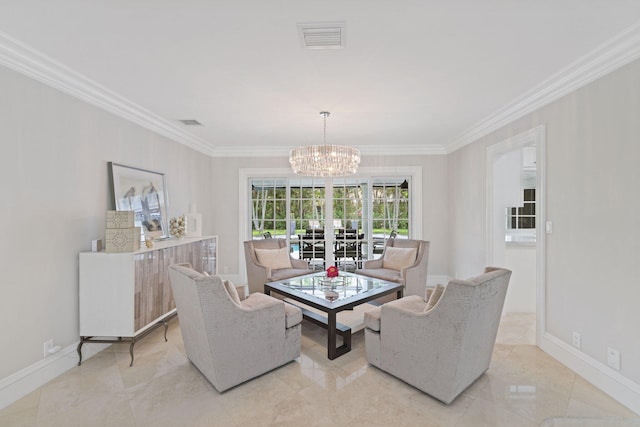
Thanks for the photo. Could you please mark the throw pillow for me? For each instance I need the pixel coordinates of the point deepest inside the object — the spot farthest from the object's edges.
(427, 294)
(274, 258)
(435, 297)
(232, 291)
(398, 258)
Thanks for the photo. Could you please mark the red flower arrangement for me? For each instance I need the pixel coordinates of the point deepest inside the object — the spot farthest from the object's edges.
(332, 272)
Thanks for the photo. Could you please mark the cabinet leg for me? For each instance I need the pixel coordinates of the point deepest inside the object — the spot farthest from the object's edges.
(133, 342)
(166, 327)
(79, 350)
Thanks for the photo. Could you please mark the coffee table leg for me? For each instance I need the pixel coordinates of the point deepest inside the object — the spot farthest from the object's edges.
(333, 351)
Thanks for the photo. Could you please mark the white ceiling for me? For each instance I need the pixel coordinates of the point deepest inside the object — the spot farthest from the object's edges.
(419, 76)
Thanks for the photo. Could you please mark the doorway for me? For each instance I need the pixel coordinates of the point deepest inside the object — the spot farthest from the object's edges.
(515, 222)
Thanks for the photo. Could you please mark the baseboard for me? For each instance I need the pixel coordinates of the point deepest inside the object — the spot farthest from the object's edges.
(597, 373)
(23, 382)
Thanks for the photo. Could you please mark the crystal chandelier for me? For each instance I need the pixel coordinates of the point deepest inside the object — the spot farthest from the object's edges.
(324, 160)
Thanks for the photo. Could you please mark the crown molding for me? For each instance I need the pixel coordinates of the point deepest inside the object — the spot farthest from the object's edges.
(609, 56)
(26, 60)
(402, 150)
(366, 150)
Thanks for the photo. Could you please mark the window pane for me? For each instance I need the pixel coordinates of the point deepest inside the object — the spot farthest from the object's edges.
(530, 195)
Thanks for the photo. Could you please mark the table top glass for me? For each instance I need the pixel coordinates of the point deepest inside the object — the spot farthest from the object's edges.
(344, 288)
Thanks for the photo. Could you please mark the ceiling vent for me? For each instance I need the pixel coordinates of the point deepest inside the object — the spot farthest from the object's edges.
(322, 35)
(190, 122)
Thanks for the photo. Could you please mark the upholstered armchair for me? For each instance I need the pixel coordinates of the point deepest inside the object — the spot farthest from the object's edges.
(403, 261)
(442, 345)
(228, 339)
(269, 260)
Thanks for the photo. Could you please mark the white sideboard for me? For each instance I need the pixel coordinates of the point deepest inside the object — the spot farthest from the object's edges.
(128, 295)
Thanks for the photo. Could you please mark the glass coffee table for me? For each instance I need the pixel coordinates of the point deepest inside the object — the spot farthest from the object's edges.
(332, 296)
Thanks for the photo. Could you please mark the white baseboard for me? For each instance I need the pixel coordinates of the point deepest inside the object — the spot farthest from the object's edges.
(23, 382)
(597, 373)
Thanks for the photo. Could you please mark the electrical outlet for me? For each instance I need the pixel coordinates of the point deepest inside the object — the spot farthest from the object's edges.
(225, 269)
(613, 358)
(48, 346)
(577, 340)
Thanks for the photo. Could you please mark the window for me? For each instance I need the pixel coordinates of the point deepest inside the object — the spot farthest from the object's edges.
(350, 227)
(363, 213)
(348, 199)
(307, 204)
(390, 200)
(308, 210)
(269, 207)
(521, 221)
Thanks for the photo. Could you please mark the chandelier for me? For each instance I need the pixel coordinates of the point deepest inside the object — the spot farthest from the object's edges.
(324, 160)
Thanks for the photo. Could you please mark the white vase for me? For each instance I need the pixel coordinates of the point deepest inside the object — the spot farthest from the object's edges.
(194, 222)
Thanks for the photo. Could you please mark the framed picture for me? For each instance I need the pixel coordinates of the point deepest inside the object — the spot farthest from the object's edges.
(143, 192)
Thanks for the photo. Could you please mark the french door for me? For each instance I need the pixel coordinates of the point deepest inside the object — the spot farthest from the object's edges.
(331, 221)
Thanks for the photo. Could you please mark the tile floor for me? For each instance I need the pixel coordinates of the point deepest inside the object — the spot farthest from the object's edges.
(523, 387)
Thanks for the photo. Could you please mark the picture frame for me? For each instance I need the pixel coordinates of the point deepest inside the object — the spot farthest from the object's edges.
(143, 192)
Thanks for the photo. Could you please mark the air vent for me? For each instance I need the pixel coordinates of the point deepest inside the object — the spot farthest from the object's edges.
(322, 35)
(190, 122)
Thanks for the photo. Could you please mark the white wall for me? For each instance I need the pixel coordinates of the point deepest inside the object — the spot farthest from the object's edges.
(433, 209)
(54, 188)
(467, 211)
(507, 192)
(521, 294)
(593, 183)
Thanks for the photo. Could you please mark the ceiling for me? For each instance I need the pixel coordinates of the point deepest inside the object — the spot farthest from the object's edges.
(414, 77)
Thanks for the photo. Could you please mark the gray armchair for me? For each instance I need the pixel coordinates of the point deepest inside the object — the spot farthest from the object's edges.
(228, 339)
(440, 346)
(411, 273)
(258, 273)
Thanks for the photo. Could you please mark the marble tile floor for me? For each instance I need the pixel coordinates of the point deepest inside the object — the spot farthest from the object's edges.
(523, 387)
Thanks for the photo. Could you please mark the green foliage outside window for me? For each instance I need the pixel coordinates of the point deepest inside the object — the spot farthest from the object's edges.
(390, 207)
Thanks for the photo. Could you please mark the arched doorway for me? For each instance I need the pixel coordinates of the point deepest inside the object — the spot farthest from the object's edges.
(516, 219)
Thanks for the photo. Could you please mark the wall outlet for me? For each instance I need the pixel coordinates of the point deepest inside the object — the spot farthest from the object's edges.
(225, 269)
(613, 358)
(577, 340)
(48, 346)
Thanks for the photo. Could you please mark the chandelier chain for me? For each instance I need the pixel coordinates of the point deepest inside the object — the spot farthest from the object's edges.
(325, 114)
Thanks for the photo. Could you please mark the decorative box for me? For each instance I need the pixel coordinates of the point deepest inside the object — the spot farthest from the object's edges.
(120, 219)
(122, 239)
